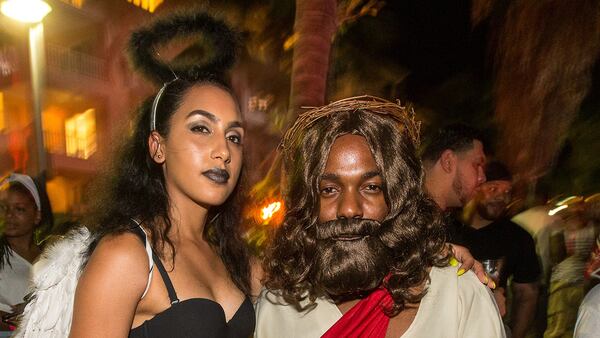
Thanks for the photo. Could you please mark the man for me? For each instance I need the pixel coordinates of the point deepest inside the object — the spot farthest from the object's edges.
(570, 248)
(506, 249)
(453, 161)
(361, 251)
(588, 317)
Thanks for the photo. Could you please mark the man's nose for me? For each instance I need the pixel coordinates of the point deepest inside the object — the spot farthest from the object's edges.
(480, 176)
(349, 206)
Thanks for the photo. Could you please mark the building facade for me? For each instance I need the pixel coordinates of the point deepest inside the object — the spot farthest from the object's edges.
(88, 99)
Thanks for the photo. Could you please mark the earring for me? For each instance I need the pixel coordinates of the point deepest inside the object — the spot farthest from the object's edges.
(159, 156)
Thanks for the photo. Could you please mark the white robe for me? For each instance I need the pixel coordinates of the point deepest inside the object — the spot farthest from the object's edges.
(588, 318)
(454, 307)
(14, 280)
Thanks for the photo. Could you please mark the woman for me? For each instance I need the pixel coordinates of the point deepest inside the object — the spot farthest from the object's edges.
(21, 211)
(172, 181)
(167, 258)
(176, 189)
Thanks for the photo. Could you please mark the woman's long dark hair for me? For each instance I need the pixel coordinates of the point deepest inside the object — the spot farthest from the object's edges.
(415, 234)
(135, 189)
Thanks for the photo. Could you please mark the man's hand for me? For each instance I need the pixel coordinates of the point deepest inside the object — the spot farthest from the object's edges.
(467, 261)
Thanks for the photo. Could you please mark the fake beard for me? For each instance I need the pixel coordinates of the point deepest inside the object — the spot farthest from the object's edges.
(350, 258)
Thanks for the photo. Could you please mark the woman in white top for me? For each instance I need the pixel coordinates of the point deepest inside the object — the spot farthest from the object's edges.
(21, 213)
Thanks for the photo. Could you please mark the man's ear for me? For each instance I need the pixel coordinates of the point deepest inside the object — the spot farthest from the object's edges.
(155, 147)
(448, 161)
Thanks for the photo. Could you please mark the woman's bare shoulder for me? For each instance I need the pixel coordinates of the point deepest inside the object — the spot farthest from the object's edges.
(119, 255)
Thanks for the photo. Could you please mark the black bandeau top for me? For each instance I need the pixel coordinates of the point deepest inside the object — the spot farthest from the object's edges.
(195, 317)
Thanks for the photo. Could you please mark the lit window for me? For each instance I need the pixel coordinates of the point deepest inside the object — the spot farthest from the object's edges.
(149, 5)
(75, 3)
(80, 131)
(54, 125)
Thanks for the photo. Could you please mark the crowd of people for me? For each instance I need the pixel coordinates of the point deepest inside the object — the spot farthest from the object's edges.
(368, 245)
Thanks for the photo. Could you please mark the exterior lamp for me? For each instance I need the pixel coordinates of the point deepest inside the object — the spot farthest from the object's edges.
(28, 11)
(32, 12)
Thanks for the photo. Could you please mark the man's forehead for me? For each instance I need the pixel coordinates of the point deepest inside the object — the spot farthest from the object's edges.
(478, 148)
(350, 151)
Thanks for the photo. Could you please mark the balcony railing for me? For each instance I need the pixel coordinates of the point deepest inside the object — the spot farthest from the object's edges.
(54, 142)
(68, 60)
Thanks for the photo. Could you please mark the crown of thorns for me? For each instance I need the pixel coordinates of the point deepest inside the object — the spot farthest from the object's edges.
(405, 116)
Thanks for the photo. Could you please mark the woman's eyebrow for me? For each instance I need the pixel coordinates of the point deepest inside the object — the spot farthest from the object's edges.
(213, 118)
(204, 113)
(235, 124)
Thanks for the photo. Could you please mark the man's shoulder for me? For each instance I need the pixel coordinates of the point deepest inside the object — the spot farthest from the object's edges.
(592, 299)
(463, 298)
(447, 277)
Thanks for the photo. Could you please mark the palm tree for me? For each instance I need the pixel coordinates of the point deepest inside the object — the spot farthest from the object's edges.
(543, 52)
(314, 29)
(316, 24)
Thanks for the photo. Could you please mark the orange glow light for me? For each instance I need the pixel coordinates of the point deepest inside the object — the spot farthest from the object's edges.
(267, 212)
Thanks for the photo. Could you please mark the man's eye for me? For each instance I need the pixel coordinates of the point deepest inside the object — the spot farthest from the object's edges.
(327, 191)
(200, 129)
(373, 187)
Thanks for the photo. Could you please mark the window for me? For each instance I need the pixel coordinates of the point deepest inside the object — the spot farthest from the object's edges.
(75, 3)
(80, 131)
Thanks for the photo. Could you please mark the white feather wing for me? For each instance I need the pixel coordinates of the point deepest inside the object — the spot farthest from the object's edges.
(55, 276)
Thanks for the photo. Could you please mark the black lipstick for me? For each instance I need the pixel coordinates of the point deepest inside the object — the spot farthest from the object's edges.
(217, 175)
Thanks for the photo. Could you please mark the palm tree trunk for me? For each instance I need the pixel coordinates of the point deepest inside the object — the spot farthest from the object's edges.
(314, 28)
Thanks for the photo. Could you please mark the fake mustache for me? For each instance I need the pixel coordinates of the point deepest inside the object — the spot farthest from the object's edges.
(347, 229)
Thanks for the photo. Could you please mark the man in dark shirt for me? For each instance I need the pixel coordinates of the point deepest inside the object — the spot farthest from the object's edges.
(506, 249)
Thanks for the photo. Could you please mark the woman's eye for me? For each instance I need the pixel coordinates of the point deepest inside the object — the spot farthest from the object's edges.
(235, 139)
(200, 129)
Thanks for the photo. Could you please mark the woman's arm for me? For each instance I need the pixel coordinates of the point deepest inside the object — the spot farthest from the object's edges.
(110, 288)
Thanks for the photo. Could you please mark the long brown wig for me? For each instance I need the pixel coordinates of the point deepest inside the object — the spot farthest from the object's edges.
(412, 231)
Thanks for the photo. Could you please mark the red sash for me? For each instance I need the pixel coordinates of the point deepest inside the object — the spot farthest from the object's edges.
(366, 319)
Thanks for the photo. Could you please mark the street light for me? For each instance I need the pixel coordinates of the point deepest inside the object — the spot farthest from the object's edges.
(28, 11)
(32, 12)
